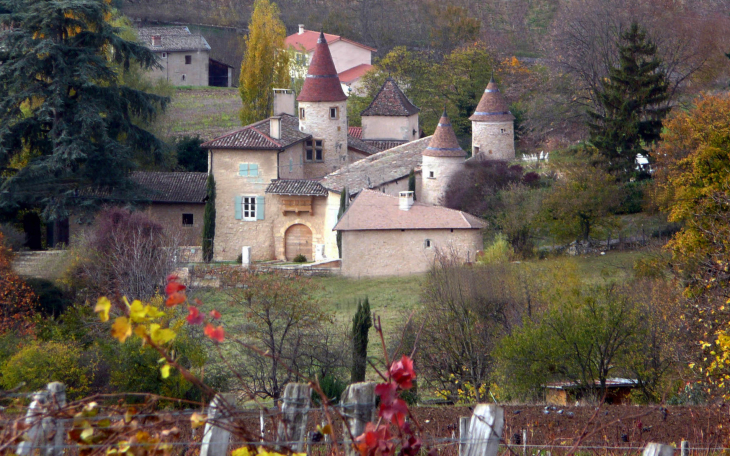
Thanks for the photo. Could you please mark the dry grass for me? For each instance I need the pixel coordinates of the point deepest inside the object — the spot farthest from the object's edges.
(208, 112)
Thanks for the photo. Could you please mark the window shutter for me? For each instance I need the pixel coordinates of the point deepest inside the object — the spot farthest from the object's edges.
(253, 169)
(243, 169)
(237, 201)
(259, 208)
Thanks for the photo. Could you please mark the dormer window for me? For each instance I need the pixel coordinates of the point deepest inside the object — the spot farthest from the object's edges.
(334, 113)
(156, 40)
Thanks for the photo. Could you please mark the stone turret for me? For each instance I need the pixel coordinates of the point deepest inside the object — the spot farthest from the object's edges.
(390, 116)
(443, 159)
(492, 127)
(323, 114)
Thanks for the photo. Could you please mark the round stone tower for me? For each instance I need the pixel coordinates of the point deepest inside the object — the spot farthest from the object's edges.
(492, 127)
(323, 114)
(443, 159)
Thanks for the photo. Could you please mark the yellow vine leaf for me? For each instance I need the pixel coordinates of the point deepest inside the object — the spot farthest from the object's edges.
(103, 305)
(121, 329)
(165, 371)
(161, 336)
(198, 419)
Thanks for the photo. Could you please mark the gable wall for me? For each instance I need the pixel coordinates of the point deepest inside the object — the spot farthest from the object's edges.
(390, 127)
(173, 67)
(346, 55)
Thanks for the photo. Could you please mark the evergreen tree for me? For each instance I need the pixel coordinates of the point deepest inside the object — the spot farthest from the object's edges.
(344, 200)
(209, 221)
(412, 183)
(190, 156)
(631, 103)
(266, 63)
(361, 323)
(68, 131)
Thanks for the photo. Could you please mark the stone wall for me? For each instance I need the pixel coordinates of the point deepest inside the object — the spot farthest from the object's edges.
(291, 162)
(315, 221)
(495, 140)
(169, 215)
(390, 127)
(333, 132)
(396, 252)
(174, 67)
(436, 173)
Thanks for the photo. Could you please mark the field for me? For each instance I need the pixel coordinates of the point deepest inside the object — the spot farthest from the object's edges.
(204, 111)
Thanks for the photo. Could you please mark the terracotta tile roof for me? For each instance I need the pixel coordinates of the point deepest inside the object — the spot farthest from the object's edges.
(390, 101)
(308, 40)
(164, 187)
(355, 132)
(173, 39)
(362, 146)
(382, 144)
(377, 211)
(257, 136)
(299, 187)
(492, 107)
(378, 169)
(443, 142)
(354, 73)
(322, 82)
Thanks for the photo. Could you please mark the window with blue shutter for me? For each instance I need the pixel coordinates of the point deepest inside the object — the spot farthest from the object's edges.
(259, 208)
(253, 169)
(238, 201)
(243, 169)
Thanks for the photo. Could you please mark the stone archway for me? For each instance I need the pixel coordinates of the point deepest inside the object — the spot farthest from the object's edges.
(298, 241)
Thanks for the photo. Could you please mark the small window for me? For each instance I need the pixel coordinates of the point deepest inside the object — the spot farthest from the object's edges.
(476, 150)
(183, 77)
(334, 113)
(427, 243)
(313, 149)
(249, 207)
(301, 113)
(431, 175)
(164, 55)
(187, 219)
(189, 60)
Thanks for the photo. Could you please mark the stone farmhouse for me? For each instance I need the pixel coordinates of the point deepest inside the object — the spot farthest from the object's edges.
(184, 58)
(352, 60)
(279, 180)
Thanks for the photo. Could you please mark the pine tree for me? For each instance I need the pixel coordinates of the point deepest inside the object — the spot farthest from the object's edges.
(344, 200)
(361, 323)
(631, 101)
(68, 131)
(266, 62)
(412, 183)
(209, 221)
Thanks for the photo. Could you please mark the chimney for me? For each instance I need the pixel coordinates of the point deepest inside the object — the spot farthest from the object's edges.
(405, 201)
(275, 127)
(284, 102)
(156, 40)
(301, 28)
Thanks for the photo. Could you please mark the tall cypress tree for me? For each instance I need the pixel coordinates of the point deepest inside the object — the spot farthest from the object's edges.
(361, 323)
(67, 124)
(344, 200)
(631, 103)
(209, 220)
(412, 183)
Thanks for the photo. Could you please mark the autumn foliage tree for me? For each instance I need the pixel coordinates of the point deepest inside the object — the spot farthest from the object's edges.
(266, 63)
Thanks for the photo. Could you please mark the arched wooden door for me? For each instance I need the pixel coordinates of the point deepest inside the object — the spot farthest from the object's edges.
(298, 240)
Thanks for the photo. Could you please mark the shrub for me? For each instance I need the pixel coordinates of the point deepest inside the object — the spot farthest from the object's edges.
(52, 300)
(332, 387)
(40, 363)
(300, 259)
(500, 251)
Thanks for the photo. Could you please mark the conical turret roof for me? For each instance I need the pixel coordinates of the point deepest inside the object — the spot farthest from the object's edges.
(322, 83)
(443, 142)
(492, 107)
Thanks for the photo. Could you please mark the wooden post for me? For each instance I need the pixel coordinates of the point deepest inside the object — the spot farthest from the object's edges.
(358, 403)
(685, 448)
(463, 434)
(485, 430)
(261, 423)
(524, 441)
(293, 424)
(658, 449)
(216, 439)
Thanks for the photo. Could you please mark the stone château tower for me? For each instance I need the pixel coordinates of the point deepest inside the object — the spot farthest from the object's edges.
(492, 127)
(443, 159)
(390, 116)
(323, 114)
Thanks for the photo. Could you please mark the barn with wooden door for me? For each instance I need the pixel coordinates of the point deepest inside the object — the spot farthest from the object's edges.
(299, 225)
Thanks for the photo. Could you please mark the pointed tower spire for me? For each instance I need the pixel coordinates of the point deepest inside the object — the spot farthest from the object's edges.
(443, 142)
(322, 82)
(492, 107)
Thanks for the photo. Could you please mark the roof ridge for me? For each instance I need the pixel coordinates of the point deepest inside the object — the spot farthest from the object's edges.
(266, 136)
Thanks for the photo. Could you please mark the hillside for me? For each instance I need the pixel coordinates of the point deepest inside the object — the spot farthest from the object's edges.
(206, 111)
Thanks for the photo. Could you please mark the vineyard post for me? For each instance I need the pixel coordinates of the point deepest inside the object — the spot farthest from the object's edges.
(463, 434)
(358, 402)
(294, 410)
(485, 430)
(685, 448)
(216, 439)
(658, 449)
